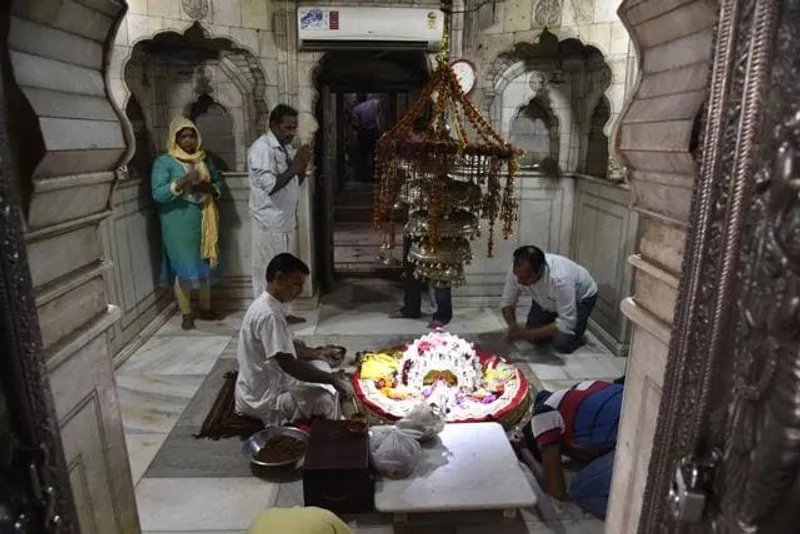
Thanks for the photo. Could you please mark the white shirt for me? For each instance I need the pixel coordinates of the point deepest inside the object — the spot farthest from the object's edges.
(261, 380)
(563, 284)
(266, 160)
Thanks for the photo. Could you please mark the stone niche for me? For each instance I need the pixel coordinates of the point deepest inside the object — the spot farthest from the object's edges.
(534, 129)
(219, 86)
(222, 88)
(549, 100)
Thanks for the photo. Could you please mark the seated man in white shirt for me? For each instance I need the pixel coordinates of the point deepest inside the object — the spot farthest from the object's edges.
(563, 293)
(281, 380)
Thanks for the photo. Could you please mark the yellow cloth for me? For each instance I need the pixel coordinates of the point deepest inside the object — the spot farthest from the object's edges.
(184, 299)
(298, 520)
(210, 239)
(376, 366)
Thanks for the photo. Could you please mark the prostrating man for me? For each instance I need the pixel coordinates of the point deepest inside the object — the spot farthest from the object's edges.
(281, 380)
(582, 423)
(563, 293)
(275, 173)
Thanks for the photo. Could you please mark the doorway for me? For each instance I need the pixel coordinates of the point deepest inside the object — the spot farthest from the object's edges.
(361, 96)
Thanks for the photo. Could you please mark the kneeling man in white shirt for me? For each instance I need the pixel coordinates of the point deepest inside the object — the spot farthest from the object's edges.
(281, 380)
(563, 295)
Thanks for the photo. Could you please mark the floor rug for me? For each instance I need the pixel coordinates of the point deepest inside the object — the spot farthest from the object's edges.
(222, 420)
(185, 456)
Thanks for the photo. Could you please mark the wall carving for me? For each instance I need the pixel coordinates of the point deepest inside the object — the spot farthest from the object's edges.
(548, 13)
(196, 9)
(617, 172)
(735, 357)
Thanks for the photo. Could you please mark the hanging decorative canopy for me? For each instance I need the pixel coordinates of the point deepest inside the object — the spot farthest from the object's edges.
(451, 168)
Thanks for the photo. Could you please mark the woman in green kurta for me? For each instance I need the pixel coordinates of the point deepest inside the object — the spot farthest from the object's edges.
(186, 185)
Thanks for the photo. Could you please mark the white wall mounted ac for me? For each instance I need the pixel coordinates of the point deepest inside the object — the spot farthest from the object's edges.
(354, 28)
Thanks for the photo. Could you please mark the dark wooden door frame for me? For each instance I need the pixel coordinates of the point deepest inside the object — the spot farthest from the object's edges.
(325, 264)
(34, 474)
(732, 382)
(325, 194)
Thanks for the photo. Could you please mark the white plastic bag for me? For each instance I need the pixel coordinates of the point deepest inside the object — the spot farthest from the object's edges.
(423, 420)
(394, 453)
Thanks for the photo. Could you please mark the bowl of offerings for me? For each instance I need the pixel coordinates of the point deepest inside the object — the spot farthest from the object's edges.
(276, 446)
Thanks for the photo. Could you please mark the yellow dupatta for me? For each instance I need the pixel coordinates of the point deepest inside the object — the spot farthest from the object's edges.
(210, 225)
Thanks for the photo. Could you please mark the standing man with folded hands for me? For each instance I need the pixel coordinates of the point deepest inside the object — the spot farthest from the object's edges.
(275, 172)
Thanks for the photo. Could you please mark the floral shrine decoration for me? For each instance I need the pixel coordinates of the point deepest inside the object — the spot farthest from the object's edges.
(451, 169)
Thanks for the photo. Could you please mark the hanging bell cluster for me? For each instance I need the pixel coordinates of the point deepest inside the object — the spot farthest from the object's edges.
(443, 260)
(445, 162)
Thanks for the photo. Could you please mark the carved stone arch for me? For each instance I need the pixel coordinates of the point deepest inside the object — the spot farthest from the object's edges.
(251, 80)
(555, 50)
(261, 80)
(495, 76)
(528, 85)
(243, 61)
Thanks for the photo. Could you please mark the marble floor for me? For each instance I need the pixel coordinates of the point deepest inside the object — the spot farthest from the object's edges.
(157, 383)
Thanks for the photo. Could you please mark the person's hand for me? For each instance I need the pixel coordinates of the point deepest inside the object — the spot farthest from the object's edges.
(516, 333)
(192, 176)
(204, 187)
(517, 439)
(302, 158)
(344, 387)
(304, 153)
(330, 355)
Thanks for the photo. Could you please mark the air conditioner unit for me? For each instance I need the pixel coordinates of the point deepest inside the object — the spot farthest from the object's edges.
(353, 28)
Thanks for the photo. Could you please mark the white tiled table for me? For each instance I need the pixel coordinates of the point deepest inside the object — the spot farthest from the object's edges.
(471, 467)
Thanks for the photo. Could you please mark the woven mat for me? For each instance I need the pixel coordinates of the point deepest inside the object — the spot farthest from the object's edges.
(222, 420)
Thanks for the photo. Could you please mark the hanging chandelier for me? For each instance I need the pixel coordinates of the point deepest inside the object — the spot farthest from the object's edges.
(450, 172)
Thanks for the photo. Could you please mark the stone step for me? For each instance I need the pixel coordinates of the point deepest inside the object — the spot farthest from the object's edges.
(350, 233)
(365, 270)
(357, 253)
(352, 214)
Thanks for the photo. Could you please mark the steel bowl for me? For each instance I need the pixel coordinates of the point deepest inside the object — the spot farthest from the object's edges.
(255, 443)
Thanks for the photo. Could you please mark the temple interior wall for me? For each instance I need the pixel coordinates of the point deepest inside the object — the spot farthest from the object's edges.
(565, 110)
(92, 238)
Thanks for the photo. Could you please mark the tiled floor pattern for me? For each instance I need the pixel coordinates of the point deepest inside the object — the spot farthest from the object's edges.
(157, 383)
